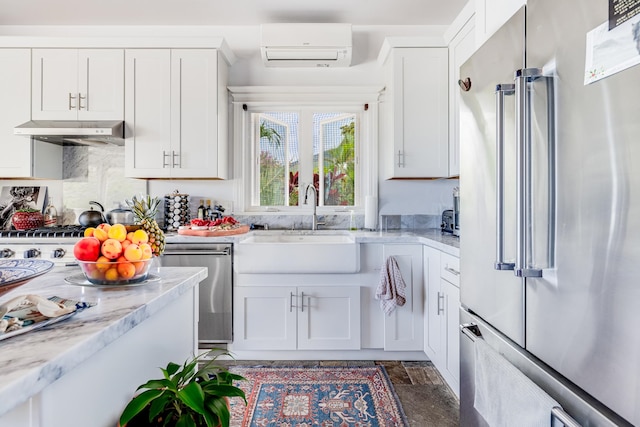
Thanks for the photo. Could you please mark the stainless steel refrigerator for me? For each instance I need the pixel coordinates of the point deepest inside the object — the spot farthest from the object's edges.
(550, 208)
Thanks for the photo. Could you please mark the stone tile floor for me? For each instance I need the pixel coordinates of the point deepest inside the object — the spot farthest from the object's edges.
(426, 399)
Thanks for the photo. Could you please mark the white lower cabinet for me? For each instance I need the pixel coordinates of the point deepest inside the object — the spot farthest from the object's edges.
(404, 328)
(297, 318)
(442, 343)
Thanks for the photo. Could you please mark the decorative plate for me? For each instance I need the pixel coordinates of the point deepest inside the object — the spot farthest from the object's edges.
(81, 280)
(16, 272)
(32, 319)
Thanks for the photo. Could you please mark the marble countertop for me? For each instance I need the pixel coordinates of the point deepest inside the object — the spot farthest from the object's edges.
(30, 362)
(445, 242)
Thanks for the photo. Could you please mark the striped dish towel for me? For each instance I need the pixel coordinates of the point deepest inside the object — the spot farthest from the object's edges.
(391, 289)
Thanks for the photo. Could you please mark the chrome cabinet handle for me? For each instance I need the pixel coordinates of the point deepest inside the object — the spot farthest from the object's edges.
(165, 156)
(80, 98)
(175, 155)
(440, 308)
(400, 159)
(452, 271)
(291, 306)
(524, 203)
(71, 98)
(302, 299)
(502, 90)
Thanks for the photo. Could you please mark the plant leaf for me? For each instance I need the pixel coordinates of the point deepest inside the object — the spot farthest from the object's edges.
(218, 390)
(160, 384)
(218, 406)
(186, 421)
(193, 396)
(172, 368)
(137, 404)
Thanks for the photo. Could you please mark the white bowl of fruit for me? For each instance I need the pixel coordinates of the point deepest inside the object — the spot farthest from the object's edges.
(112, 255)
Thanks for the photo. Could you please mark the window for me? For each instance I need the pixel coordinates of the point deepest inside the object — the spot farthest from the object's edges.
(278, 146)
(289, 146)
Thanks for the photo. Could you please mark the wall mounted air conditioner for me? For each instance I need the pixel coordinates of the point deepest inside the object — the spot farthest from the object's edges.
(306, 45)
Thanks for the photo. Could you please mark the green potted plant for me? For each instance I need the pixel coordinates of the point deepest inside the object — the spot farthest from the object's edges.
(186, 396)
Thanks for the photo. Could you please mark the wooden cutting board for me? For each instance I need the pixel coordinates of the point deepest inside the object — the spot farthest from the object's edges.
(214, 233)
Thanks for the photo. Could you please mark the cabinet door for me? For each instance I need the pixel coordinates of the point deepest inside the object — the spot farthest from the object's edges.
(100, 84)
(55, 84)
(29, 158)
(492, 14)
(460, 49)
(148, 113)
(329, 318)
(419, 107)
(404, 328)
(452, 321)
(264, 318)
(434, 307)
(194, 114)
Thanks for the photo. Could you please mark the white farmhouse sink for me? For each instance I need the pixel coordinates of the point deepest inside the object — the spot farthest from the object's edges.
(297, 252)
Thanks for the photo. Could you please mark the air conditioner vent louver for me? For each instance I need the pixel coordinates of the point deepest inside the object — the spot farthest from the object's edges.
(306, 45)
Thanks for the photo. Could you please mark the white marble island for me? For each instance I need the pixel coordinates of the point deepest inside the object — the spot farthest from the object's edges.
(83, 370)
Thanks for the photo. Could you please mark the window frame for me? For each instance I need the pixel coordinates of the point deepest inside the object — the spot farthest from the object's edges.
(360, 100)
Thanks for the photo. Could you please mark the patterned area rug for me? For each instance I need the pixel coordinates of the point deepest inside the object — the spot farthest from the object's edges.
(319, 396)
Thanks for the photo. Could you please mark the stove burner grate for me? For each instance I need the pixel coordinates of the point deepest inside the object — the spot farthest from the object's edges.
(48, 232)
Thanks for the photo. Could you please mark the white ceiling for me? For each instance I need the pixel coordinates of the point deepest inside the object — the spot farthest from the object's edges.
(229, 12)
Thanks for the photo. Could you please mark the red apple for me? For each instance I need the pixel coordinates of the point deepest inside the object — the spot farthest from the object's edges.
(87, 249)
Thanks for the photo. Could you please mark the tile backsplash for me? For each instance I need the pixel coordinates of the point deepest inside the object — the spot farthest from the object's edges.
(95, 174)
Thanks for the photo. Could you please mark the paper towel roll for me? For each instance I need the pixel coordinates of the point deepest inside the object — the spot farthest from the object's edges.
(370, 212)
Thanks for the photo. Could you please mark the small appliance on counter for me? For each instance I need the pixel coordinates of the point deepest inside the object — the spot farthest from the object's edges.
(447, 225)
(456, 211)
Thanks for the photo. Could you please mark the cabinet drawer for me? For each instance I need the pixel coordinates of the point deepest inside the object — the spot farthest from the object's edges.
(450, 268)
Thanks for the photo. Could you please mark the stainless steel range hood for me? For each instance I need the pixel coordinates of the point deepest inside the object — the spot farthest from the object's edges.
(62, 132)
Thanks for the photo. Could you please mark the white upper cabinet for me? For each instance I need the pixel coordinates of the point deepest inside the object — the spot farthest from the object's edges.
(176, 113)
(461, 48)
(414, 141)
(24, 157)
(78, 84)
(491, 15)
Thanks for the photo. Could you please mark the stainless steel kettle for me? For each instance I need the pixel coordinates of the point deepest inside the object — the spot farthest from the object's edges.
(92, 218)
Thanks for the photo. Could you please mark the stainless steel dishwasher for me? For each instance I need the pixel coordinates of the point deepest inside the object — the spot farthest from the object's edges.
(215, 324)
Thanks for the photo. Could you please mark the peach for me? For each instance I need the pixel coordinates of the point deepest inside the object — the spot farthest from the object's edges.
(140, 236)
(118, 232)
(95, 274)
(126, 270)
(147, 252)
(139, 265)
(133, 252)
(103, 263)
(111, 248)
(100, 234)
(88, 232)
(125, 243)
(104, 226)
(111, 274)
(130, 236)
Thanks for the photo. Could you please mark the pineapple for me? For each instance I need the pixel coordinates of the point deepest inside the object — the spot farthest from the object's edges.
(144, 210)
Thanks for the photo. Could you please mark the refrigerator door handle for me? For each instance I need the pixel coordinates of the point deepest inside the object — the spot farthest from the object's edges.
(471, 330)
(524, 202)
(502, 90)
(566, 419)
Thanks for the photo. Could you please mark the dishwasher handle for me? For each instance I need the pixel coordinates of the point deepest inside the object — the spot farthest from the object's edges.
(224, 252)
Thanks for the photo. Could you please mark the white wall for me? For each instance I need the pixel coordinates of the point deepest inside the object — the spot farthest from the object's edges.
(423, 197)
